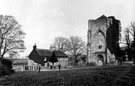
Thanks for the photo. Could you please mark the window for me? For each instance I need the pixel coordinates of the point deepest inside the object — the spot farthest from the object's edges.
(100, 46)
(44, 58)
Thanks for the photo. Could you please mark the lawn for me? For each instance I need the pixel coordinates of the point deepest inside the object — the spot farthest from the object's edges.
(112, 76)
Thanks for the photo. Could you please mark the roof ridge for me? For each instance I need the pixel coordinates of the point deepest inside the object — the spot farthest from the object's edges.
(42, 49)
(101, 17)
(48, 52)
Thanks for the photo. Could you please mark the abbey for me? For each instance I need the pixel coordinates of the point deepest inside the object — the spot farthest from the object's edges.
(103, 39)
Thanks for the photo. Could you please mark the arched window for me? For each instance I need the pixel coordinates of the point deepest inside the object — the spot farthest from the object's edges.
(99, 31)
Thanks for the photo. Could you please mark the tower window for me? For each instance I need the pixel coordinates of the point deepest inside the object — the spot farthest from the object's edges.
(100, 46)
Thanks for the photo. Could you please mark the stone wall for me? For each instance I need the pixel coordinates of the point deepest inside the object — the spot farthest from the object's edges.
(97, 43)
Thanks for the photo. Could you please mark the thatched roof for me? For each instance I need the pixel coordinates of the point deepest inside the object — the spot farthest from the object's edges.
(48, 53)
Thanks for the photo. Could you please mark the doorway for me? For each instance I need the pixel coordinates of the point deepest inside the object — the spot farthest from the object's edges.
(100, 59)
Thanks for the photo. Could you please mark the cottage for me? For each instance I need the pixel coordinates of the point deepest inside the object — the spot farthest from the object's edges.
(19, 64)
(44, 57)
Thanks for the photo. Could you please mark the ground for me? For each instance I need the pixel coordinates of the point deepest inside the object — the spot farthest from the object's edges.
(90, 76)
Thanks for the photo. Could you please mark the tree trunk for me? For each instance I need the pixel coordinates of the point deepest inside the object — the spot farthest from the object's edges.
(75, 59)
(52, 65)
(133, 57)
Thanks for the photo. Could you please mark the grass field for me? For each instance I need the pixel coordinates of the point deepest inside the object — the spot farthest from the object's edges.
(113, 76)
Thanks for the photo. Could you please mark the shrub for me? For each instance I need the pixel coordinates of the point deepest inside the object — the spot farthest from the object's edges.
(91, 64)
(6, 67)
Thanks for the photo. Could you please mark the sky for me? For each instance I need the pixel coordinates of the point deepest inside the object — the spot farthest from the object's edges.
(43, 20)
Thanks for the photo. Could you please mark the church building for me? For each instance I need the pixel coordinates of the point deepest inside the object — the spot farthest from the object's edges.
(103, 39)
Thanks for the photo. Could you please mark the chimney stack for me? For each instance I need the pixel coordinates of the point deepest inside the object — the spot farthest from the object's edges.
(35, 47)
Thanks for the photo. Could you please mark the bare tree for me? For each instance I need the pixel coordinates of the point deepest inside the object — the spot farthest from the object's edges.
(130, 40)
(59, 44)
(133, 34)
(132, 27)
(11, 36)
(127, 38)
(75, 46)
(131, 30)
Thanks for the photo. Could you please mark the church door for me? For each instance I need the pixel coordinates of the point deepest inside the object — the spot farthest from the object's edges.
(100, 60)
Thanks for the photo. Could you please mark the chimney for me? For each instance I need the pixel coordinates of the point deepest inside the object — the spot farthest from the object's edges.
(35, 47)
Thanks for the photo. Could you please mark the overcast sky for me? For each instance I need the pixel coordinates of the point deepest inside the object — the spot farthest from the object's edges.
(43, 20)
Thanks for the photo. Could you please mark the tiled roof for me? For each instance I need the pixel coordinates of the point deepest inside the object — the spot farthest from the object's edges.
(19, 61)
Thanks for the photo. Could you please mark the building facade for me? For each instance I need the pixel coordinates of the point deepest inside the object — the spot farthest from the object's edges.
(103, 37)
(44, 57)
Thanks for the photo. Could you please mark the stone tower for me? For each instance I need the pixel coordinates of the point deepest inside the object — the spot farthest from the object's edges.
(103, 34)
